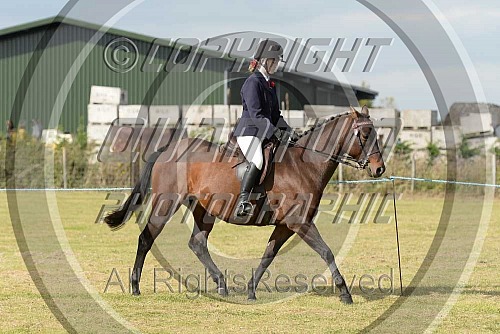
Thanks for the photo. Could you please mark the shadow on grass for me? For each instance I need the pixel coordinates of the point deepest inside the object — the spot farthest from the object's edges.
(264, 296)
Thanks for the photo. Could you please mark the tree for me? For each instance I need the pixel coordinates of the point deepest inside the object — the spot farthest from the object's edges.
(388, 102)
(81, 135)
(366, 102)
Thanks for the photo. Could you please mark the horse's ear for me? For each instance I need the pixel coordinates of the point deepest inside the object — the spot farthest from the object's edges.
(365, 111)
(354, 113)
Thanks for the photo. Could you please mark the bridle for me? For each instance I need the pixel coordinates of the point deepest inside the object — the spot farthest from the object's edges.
(345, 158)
(355, 127)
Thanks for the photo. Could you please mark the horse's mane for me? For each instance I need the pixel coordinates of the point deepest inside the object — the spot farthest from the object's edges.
(322, 123)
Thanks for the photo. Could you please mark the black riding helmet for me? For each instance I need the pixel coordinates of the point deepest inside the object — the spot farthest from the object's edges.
(269, 49)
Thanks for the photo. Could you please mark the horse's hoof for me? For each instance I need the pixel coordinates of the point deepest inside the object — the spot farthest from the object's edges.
(222, 292)
(136, 293)
(346, 299)
(252, 298)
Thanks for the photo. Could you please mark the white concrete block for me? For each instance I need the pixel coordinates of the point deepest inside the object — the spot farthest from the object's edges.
(424, 118)
(497, 131)
(439, 135)
(108, 95)
(295, 118)
(49, 136)
(383, 134)
(418, 138)
(195, 114)
(97, 132)
(484, 143)
(326, 111)
(236, 112)
(102, 113)
(134, 112)
(380, 113)
(474, 123)
(323, 111)
(222, 115)
(168, 113)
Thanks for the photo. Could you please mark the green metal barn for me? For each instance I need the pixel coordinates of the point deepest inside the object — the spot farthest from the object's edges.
(47, 68)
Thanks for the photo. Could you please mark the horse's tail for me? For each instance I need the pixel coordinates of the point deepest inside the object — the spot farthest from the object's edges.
(118, 218)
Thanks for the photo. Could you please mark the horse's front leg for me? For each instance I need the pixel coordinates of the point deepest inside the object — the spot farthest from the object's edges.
(310, 234)
(198, 244)
(279, 236)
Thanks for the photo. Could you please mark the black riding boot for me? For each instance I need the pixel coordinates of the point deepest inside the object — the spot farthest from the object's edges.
(249, 180)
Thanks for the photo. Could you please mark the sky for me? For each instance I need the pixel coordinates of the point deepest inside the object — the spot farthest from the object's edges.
(395, 73)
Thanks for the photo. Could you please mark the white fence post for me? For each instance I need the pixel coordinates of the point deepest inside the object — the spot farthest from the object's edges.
(341, 178)
(413, 172)
(494, 168)
(65, 175)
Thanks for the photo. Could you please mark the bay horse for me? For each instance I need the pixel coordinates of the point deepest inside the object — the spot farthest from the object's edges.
(180, 176)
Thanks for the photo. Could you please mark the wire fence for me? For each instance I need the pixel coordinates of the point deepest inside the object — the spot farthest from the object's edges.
(374, 181)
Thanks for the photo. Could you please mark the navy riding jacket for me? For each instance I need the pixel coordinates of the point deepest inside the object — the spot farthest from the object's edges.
(261, 113)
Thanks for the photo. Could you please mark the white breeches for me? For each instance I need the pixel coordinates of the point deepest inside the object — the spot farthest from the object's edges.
(252, 149)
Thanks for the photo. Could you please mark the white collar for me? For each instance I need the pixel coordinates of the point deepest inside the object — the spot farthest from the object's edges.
(264, 72)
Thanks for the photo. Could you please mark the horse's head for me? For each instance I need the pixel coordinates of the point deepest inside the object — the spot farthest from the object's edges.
(363, 144)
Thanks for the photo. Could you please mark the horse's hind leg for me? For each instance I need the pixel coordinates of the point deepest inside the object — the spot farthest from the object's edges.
(310, 234)
(279, 236)
(198, 244)
(147, 237)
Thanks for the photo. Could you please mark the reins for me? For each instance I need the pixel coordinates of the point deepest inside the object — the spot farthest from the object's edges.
(345, 159)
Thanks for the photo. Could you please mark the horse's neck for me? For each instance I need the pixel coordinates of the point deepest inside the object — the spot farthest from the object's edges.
(330, 140)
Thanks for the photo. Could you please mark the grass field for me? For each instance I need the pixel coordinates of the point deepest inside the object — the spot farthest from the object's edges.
(363, 248)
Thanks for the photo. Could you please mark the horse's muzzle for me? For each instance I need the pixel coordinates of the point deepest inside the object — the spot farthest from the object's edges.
(380, 171)
(375, 172)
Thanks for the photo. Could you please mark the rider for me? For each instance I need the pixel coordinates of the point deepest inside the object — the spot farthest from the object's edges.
(261, 118)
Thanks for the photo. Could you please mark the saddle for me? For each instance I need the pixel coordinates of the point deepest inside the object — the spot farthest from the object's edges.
(231, 149)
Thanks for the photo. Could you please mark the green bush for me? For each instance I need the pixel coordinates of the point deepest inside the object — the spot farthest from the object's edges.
(403, 148)
(433, 152)
(28, 163)
(466, 151)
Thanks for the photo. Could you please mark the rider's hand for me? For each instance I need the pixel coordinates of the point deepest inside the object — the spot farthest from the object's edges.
(283, 135)
(294, 136)
(278, 133)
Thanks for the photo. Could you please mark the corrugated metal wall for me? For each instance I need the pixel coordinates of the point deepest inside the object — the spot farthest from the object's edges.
(36, 77)
(56, 61)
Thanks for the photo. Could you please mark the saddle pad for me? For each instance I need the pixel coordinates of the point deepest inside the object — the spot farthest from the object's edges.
(267, 166)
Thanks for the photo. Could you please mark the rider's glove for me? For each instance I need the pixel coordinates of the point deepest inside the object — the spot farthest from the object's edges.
(279, 134)
(293, 136)
(283, 135)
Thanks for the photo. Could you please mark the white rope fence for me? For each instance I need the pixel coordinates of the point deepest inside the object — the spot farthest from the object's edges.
(382, 180)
